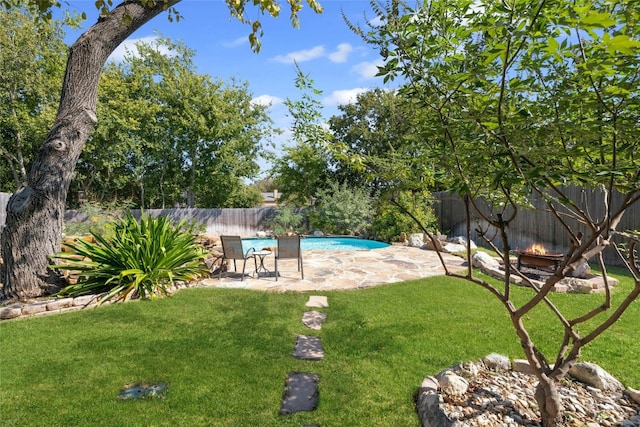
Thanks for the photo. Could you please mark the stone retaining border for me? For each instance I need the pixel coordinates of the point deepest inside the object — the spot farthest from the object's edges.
(64, 305)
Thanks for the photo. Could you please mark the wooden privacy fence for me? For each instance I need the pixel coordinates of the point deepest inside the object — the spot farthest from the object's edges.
(534, 225)
(243, 222)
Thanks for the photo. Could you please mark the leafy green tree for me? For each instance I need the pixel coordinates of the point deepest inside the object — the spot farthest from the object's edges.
(392, 214)
(32, 57)
(304, 168)
(244, 196)
(522, 98)
(385, 132)
(287, 219)
(174, 137)
(265, 185)
(341, 209)
(382, 129)
(33, 226)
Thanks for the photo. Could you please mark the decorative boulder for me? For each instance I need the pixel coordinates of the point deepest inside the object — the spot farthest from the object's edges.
(582, 271)
(429, 384)
(468, 369)
(416, 240)
(497, 362)
(452, 384)
(460, 240)
(484, 260)
(633, 394)
(318, 233)
(593, 375)
(433, 247)
(454, 248)
(522, 365)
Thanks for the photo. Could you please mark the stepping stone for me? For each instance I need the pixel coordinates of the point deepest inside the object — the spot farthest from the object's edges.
(317, 301)
(313, 319)
(300, 393)
(308, 348)
(138, 391)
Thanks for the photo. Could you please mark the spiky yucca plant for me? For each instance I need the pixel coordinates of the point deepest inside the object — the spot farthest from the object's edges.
(135, 258)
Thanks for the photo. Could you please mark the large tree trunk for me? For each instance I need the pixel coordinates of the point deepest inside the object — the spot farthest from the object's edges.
(550, 406)
(35, 212)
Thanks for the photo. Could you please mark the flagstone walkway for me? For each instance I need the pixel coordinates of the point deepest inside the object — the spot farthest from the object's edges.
(334, 270)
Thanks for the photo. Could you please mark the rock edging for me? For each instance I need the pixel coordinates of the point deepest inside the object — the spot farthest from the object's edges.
(61, 305)
(498, 391)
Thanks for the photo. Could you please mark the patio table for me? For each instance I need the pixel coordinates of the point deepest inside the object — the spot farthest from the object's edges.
(261, 255)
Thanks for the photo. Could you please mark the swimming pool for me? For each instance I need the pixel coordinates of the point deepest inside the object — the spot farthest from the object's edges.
(319, 244)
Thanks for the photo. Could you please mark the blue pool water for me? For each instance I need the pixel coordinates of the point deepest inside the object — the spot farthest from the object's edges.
(319, 244)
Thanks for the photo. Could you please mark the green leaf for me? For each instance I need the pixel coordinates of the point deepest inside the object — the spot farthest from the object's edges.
(597, 20)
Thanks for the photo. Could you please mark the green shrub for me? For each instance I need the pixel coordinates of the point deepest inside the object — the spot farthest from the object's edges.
(390, 221)
(342, 210)
(134, 258)
(287, 219)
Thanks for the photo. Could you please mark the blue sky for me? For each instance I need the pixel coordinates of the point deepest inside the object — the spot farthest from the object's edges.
(340, 64)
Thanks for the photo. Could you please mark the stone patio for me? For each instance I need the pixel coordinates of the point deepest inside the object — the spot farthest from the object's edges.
(333, 270)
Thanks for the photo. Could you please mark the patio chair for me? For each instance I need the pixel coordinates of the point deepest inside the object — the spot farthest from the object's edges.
(289, 248)
(232, 249)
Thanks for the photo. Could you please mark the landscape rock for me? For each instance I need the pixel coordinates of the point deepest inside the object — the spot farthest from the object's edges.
(579, 286)
(429, 384)
(433, 247)
(10, 312)
(484, 260)
(31, 309)
(431, 411)
(59, 303)
(462, 241)
(497, 362)
(633, 394)
(85, 300)
(208, 241)
(582, 271)
(593, 375)
(454, 248)
(522, 365)
(452, 384)
(468, 369)
(416, 240)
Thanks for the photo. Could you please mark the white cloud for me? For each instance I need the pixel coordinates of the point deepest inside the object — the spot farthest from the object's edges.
(301, 55)
(129, 46)
(367, 70)
(237, 42)
(267, 100)
(378, 21)
(342, 52)
(342, 97)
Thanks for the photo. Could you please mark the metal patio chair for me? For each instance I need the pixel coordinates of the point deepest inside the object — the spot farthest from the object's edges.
(232, 249)
(289, 248)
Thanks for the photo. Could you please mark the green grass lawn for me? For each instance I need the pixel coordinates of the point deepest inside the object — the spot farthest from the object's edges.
(225, 354)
